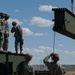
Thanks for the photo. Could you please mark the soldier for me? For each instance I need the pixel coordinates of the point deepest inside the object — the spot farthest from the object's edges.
(2, 30)
(23, 68)
(6, 33)
(53, 67)
(18, 34)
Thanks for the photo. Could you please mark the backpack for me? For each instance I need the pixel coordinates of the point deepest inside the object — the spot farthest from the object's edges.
(19, 30)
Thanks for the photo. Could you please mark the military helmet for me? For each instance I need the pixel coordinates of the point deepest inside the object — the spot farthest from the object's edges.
(14, 23)
(55, 57)
(6, 15)
(28, 57)
(1, 14)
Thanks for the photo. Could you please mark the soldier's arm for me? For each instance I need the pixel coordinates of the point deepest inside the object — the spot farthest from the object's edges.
(7, 29)
(12, 29)
(47, 57)
(46, 62)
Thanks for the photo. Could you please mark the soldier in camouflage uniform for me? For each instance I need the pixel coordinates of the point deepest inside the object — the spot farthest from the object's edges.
(23, 68)
(6, 33)
(2, 30)
(54, 67)
(18, 34)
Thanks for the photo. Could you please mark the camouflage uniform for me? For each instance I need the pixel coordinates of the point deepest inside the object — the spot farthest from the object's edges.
(24, 68)
(53, 67)
(6, 33)
(2, 30)
(18, 38)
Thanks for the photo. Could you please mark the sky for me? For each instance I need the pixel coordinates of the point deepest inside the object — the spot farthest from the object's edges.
(35, 17)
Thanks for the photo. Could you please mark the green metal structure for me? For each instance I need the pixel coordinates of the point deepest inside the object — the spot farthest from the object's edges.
(64, 22)
(12, 60)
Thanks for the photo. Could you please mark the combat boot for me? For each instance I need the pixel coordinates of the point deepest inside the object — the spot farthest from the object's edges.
(21, 52)
(16, 52)
(1, 49)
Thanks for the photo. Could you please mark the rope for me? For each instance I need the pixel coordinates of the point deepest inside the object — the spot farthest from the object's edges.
(54, 42)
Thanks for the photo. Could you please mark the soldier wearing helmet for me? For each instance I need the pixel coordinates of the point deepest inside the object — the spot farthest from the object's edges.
(14, 23)
(54, 67)
(28, 57)
(6, 33)
(23, 67)
(18, 34)
(2, 30)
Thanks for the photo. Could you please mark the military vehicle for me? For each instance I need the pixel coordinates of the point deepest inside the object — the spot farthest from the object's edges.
(10, 60)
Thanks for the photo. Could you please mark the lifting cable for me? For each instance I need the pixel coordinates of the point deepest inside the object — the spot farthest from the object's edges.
(53, 48)
(54, 42)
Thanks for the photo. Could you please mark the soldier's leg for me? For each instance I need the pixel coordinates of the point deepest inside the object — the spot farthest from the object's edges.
(16, 46)
(5, 44)
(1, 41)
(21, 46)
